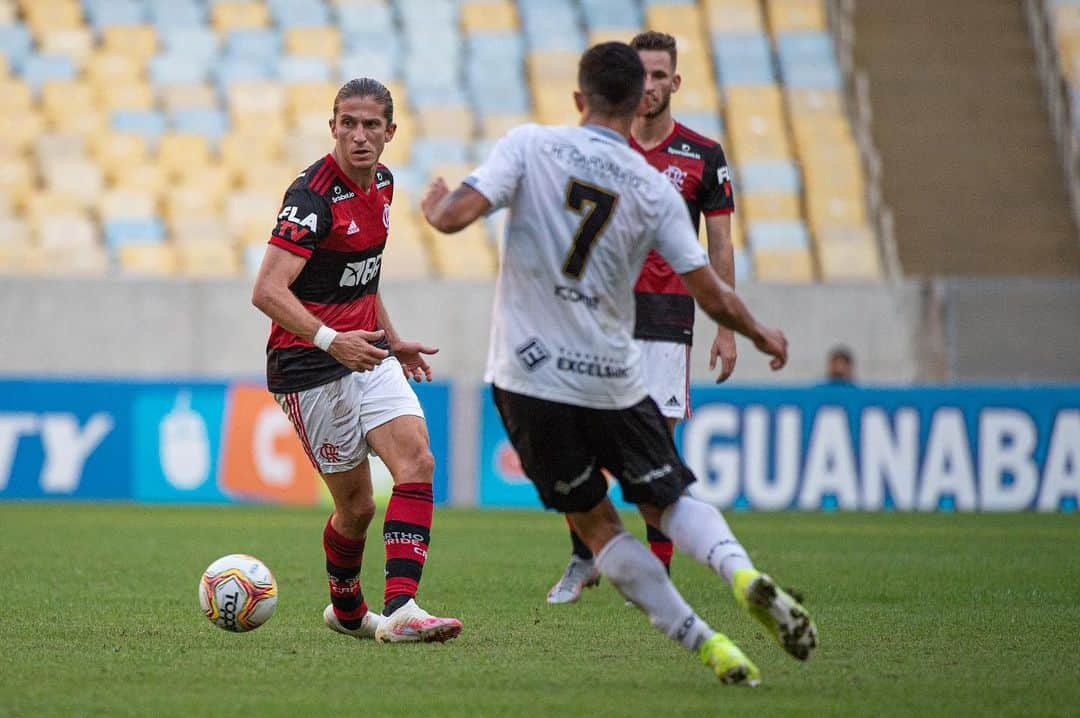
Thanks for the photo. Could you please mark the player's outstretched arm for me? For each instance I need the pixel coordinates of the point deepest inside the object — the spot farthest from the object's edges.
(451, 212)
(273, 298)
(409, 354)
(722, 259)
(725, 307)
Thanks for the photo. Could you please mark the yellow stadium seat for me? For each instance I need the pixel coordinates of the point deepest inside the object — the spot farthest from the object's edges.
(43, 17)
(398, 152)
(137, 42)
(158, 260)
(238, 151)
(598, 35)
(189, 200)
(811, 101)
(135, 95)
(199, 230)
(849, 253)
(17, 97)
(198, 95)
(272, 178)
(74, 42)
(105, 69)
(697, 97)
(80, 180)
(324, 42)
(53, 147)
(495, 126)
(118, 151)
(59, 97)
(226, 16)
(250, 215)
(22, 128)
(64, 229)
(733, 16)
(548, 65)
(311, 123)
(796, 16)
(488, 17)
(148, 177)
(181, 155)
(465, 255)
(312, 97)
(8, 13)
(783, 265)
(451, 122)
(452, 173)
(14, 245)
(256, 98)
(127, 202)
(769, 206)
(208, 259)
(81, 260)
(405, 256)
(749, 147)
(88, 122)
(301, 149)
(835, 208)
(684, 22)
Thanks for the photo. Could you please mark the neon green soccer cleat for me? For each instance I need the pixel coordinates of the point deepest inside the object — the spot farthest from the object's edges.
(776, 609)
(728, 663)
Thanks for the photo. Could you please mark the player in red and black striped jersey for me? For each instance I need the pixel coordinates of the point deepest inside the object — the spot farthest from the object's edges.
(664, 322)
(339, 370)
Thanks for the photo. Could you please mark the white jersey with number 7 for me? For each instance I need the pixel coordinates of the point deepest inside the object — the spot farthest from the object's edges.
(585, 209)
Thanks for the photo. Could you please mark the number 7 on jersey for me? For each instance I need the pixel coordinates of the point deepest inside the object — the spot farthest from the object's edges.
(600, 206)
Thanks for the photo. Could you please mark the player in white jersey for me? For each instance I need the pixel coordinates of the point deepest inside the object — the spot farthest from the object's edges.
(584, 210)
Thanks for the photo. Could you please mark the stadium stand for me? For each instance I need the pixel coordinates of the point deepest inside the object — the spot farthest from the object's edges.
(194, 115)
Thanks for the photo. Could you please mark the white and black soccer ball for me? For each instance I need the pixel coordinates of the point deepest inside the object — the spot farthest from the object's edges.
(238, 593)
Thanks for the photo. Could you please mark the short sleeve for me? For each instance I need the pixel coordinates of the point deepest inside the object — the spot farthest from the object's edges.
(498, 178)
(716, 194)
(675, 239)
(304, 220)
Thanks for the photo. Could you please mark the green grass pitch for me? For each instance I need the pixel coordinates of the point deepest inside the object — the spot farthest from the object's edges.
(919, 615)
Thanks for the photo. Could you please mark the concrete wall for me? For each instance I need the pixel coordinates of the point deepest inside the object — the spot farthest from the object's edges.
(150, 328)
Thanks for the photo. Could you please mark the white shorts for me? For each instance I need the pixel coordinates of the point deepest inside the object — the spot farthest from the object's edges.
(666, 368)
(333, 419)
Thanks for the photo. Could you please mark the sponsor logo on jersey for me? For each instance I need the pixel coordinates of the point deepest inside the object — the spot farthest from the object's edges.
(569, 294)
(532, 354)
(588, 365)
(288, 214)
(358, 274)
(649, 476)
(676, 175)
(684, 150)
(340, 194)
(380, 183)
(353, 229)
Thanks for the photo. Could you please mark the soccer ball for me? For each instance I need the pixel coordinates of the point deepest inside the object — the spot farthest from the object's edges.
(238, 593)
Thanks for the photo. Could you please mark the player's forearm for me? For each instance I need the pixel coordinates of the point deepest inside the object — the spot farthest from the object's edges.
(721, 303)
(721, 249)
(458, 210)
(282, 306)
(384, 322)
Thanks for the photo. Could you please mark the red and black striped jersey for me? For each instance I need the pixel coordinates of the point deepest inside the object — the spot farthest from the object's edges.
(697, 167)
(341, 231)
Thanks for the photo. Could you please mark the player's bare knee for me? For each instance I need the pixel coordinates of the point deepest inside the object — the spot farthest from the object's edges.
(418, 469)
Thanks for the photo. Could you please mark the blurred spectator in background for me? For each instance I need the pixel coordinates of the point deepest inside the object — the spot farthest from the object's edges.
(840, 368)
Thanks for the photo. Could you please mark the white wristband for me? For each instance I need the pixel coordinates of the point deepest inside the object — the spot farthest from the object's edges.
(324, 338)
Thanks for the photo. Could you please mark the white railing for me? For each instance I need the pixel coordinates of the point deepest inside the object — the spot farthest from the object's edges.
(841, 15)
(1055, 90)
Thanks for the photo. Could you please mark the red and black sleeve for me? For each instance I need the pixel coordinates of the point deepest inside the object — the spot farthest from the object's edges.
(716, 193)
(304, 220)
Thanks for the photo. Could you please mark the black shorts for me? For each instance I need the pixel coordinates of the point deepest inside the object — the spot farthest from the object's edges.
(564, 447)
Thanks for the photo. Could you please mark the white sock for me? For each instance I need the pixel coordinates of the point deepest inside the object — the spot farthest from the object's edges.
(641, 578)
(700, 531)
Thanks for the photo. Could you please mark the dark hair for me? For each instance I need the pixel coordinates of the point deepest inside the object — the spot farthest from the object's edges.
(612, 78)
(367, 87)
(652, 40)
(841, 352)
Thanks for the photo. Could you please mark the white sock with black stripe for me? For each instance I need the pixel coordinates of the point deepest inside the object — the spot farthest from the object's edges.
(700, 531)
(641, 578)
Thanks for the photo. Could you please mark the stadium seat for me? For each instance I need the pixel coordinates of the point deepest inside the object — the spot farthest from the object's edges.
(785, 265)
(207, 259)
(777, 235)
(145, 123)
(299, 13)
(212, 124)
(259, 99)
(116, 152)
(321, 42)
(176, 68)
(73, 42)
(733, 16)
(795, 15)
(482, 17)
(105, 69)
(226, 16)
(198, 230)
(127, 203)
(169, 14)
(195, 42)
(622, 15)
(80, 181)
(127, 231)
(183, 154)
(768, 176)
(17, 180)
(187, 96)
(38, 69)
(306, 97)
(249, 215)
(849, 253)
(465, 255)
(768, 207)
(80, 260)
(136, 42)
(157, 260)
(16, 44)
(451, 122)
(64, 230)
(126, 96)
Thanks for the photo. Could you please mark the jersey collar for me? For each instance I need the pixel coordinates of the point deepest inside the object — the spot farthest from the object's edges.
(663, 143)
(606, 132)
(345, 178)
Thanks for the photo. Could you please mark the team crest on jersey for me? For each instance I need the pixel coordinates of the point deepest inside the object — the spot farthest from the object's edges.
(676, 175)
(386, 215)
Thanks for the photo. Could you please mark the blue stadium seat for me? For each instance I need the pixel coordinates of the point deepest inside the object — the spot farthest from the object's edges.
(806, 45)
(299, 13)
(390, 47)
(367, 63)
(106, 13)
(16, 44)
(508, 99)
(200, 42)
(768, 176)
(258, 45)
(173, 69)
(120, 232)
(820, 77)
(148, 124)
(212, 124)
(612, 14)
(743, 72)
(373, 20)
(302, 69)
(167, 15)
(431, 151)
(744, 268)
(709, 124)
(230, 71)
(420, 13)
(39, 69)
(778, 234)
(495, 48)
(424, 96)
